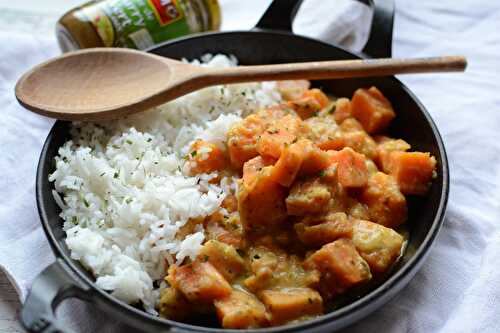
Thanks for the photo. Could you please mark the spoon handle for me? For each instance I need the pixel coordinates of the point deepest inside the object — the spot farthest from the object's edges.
(336, 69)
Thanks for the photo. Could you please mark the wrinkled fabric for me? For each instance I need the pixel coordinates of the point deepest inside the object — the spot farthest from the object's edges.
(458, 287)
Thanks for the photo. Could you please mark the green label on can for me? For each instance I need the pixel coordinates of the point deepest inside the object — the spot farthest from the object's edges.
(141, 24)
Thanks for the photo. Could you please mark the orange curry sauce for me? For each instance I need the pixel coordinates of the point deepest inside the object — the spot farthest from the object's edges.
(320, 193)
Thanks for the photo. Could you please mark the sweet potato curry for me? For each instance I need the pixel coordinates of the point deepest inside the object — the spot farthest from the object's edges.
(321, 193)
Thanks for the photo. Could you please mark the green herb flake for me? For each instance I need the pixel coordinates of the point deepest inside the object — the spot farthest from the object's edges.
(193, 153)
(128, 200)
(129, 142)
(321, 173)
(149, 140)
(332, 109)
(115, 146)
(205, 258)
(102, 174)
(116, 175)
(86, 203)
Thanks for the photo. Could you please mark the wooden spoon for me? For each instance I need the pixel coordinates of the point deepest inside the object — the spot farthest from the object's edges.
(109, 83)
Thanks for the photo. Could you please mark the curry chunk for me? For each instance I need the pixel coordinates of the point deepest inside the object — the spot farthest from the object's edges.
(224, 258)
(310, 103)
(315, 160)
(280, 133)
(273, 268)
(198, 281)
(292, 89)
(378, 245)
(174, 305)
(288, 165)
(413, 171)
(291, 303)
(242, 140)
(206, 157)
(343, 110)
(385, 202)
(241, 310)
(307, 197)
(325, 133)
(385, 145)
(261, 201)
(360, 142)
(352, 171)
(340, 265)
(372, 109)
(323, 229)
(228, 230)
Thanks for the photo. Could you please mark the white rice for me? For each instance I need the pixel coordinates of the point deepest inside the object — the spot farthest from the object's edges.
(124, 191)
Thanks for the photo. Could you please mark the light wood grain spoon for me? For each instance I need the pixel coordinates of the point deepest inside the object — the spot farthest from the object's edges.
(109, 83)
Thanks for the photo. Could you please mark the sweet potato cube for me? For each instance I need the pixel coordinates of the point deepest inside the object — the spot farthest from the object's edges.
(292, 89)
(291, 303)
(223, 257)
(385, 202)
(352, 171)
(310, 103)
(227, 231)
(343, 110)
(386, 145)
(318, 95)
(315, 160)
(278, 134)
(241, 310)
(242, 139)
(305, 107)
(198, 281)
(340, 265)
(261, 201)
(307, 197)
(252, 168)
(378, 245)
(324, 132)
(372, 109)
(288, 165)
(413, 171)
(326, 229)
(360, 142)
(206, 157)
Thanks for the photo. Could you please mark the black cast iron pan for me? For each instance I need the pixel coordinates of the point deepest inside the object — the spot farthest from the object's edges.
(270, 42)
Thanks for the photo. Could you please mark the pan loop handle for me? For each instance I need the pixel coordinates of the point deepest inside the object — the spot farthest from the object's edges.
(51, 287)
(281, 13)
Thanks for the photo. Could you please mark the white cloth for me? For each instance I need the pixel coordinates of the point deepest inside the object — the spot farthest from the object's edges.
(458, 287)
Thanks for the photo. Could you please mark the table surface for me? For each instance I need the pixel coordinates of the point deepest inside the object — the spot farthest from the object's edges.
(9, 307)
(25, 16)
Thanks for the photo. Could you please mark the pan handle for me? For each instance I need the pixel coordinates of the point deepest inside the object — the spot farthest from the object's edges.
(51, 287)
(281, 13)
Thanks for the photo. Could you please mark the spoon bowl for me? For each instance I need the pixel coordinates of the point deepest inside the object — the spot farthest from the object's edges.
(110, 83)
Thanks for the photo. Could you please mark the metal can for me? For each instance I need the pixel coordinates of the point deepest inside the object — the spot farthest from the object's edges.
(137, 24)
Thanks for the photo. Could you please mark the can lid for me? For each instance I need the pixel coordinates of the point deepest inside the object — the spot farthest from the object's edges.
(215, 14)
(65, 39)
